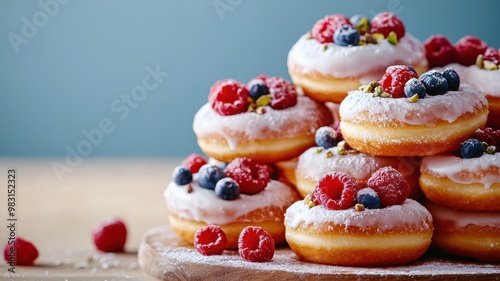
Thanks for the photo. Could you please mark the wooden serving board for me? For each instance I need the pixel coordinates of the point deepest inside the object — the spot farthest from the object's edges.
(165, 256)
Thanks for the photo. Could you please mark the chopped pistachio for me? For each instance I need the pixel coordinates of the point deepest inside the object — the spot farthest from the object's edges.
(362, 43)
(480, 61)
(377, 36)
(371, 39)
(309, 35)
(263, 100)
(308, 201)
(392, 38)
(260, 110)
(251, 107)
(363, 25)
(379, 91)
(318, 150)
(359, 207)
(489, 65)
(329, 154)
(250, 100)
(189, 188)
(385, 95)
(491, 149)
(325, 47)
(414, 98)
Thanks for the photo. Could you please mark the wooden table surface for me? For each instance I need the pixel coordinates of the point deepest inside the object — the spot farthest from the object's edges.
(58, 214)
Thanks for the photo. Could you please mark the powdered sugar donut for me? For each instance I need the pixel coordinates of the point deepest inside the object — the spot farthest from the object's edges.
(466, 233)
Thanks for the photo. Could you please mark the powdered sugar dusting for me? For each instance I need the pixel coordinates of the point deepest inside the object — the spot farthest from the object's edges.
(425, 112)
(410, 214)
(484, 169)
(364, 62)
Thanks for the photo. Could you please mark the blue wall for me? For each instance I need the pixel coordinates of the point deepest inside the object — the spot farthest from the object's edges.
(73, 64)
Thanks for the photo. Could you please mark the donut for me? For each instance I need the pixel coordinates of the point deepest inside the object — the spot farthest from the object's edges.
(286, 170)
(466, 184)
(192, 205)
(315, 162)
(327, 71)
(398, 127)
(466, 233)
(266, 134)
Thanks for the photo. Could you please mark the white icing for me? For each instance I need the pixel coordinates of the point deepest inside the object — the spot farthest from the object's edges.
(313, 165)
(202, 205)
(463, 218)
(486, 81)
(426, 111)
(484, 169)
(409, 214)
(366, 62)
(252, 126)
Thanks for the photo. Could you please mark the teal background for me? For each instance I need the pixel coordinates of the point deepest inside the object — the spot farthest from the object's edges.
(66, 78)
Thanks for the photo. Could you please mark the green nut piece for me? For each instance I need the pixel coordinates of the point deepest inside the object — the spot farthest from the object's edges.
(309, 35)
(318, 150)
(378, 36)
(491, 149)
(263, 100)
(392, 38)
(489, 65)
(370, 39)
(251, 107)
(325, 47)
(413, 98)
(329, 154)
(363, 25)
(480, 61)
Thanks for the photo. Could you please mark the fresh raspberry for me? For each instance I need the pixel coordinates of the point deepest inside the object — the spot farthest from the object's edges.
(20, 252)
(194, 162)
(439, 51)
(395, 78)
(210, 240)
(386, 22)
(324, 28)
(468, 48)
(390, 186)
(274, 173)
(283, 93)
(229, 97)
(492, 55)
(110, 235)
(489, 136)
(215, 87)
(255, 244)
(251, 176)
(335, 191)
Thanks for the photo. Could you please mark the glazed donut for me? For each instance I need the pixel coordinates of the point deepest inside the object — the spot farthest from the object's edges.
(192, 207)
(327, 71)
(465, 233)
(465, 184)
(314, 164)
(397, 127)
(269, 136)
(393, 235)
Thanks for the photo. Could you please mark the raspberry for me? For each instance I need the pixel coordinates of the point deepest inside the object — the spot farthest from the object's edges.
(22, 252)
(335, 191)
(390, 185)
(274, 173)
(255, 244)
(229, 97)
(488, 135)
(215, 87)
(395, 78)
(283, 93)
(468, 48)
(248, 174)
(439, 51)
(324, 28)
(492, 55)
(194, 162)
(386, 22)
(110, 235)
(210, 240)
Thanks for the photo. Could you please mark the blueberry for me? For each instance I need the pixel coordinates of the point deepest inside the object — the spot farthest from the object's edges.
(182, 175)
(326, 137)
(471, 148)
(412, 69)
(227, 189)
(209, 175)
(434, 82)
(453, 79)
(369, 198)
(346, 35)
(415, 86)
(257, 88)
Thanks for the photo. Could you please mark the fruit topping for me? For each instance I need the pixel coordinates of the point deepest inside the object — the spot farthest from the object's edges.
(194, 162)
(257, 88)
(335, 191)
(368, 198)
(229, 97)
(326, 137)
(182, 175)
(489, 136)
(439, 51)
(387, 22)
(415, 87)
(209, 175)
(346, 35)
(210, 240)
(283, 93)
(434, 82)
(324, 28)
(22, 252)
(491, 54)
(471, 148)
(390, 186)
(395, 78)
(227, 189)
(468, 48)
(251, 176)
(110, 235)
(255, 244)
(452, 78)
